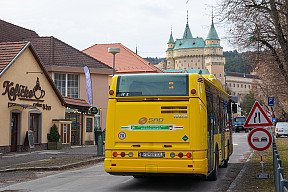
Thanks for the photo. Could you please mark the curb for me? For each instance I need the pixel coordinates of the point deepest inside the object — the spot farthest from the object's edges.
(233, 184)
(54, 168)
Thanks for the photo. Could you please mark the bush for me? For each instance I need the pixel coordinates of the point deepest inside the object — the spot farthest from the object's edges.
(54, 135)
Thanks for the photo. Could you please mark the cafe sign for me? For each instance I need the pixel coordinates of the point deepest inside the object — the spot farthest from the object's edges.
(22, 92)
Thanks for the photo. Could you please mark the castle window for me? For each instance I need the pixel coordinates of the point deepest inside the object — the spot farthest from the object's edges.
(233, 84)
(179, 61)
(249, 86)
(238, 85)
(241, 86)
(220, 75)
(229, 84)
(199, 60)
(192, 61)
(184, 61)
(245, 86)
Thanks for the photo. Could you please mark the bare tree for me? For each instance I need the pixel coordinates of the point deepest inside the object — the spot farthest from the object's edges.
(262, 26)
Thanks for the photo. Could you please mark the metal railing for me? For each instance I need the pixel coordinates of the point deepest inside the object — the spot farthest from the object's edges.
(281, 184)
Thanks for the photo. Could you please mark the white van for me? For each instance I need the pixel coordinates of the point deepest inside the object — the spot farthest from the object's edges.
(281, 129)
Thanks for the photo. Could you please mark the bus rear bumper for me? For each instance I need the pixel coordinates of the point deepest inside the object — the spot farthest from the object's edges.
(155, 166)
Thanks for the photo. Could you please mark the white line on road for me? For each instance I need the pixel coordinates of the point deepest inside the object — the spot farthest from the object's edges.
(127, 180)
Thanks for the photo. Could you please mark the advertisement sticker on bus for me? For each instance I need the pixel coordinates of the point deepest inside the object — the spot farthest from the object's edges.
(152, 127)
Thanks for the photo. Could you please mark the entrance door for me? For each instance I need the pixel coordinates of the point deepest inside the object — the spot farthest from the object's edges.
(34, 126)
(14, 131)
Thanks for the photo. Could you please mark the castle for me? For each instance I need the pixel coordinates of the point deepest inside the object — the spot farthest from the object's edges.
(196, 53)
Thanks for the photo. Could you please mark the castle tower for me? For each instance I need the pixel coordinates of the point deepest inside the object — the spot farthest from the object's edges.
(213, 53)
(169, 52)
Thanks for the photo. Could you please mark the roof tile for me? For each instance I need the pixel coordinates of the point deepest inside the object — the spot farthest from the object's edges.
(13, 33)
(8, 52)
(54, 52)
(125, 62)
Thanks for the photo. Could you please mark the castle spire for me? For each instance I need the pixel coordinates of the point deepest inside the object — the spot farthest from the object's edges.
(212, 34)
(187, 33)
(171, 40)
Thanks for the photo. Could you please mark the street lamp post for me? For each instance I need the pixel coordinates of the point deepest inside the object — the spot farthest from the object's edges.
(114, 51)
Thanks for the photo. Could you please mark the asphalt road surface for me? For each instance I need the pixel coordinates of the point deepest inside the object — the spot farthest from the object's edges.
(94, 178)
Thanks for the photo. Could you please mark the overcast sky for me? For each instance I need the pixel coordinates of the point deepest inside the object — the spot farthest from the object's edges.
(83, 23)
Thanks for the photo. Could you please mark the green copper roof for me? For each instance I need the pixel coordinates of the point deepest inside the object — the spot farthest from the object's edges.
(213, 46)
(204, 71)
(187, 33)
(171, 40)
(189, 43)
(212, 32)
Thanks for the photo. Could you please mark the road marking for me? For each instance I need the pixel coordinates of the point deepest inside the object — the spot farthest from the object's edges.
(127, 180)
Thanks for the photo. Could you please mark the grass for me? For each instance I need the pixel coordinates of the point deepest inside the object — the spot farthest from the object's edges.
(248, 180)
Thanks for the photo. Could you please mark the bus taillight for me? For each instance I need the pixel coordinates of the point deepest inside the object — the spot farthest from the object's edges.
(180, 155)
(189, 155)
(193, 91)
(123, 154)
(111, 92)
(115, 154)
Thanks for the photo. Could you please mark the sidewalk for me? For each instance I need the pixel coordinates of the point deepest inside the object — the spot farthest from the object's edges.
(49, 159)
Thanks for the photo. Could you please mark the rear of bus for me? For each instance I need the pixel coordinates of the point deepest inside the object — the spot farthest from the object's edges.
(156, 124)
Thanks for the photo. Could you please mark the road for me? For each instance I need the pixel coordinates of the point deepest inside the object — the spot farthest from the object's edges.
(94, 178)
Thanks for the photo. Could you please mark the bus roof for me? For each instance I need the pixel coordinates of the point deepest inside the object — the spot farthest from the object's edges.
(216, 83)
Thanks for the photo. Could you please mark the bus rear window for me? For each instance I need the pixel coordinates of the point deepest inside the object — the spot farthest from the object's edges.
(152, 85)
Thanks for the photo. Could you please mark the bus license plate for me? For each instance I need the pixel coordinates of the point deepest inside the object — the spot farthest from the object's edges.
(152, 154)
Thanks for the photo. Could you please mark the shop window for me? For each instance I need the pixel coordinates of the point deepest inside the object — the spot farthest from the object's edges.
(89, 126)
(67, 84)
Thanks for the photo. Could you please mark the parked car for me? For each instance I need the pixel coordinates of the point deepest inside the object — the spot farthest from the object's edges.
(281, 129)
(239, 122)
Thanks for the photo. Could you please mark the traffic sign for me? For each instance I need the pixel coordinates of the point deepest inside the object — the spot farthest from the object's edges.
(269, 114)
(257, 117)
(270, 101)
(259, 139)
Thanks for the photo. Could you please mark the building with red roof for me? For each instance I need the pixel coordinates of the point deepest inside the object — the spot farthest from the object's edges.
(126, 61)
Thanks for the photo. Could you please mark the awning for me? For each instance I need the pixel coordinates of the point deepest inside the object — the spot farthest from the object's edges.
(77, 103)
(25, 106)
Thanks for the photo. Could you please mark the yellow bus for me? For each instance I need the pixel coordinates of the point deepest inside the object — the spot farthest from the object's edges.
(160, 124)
